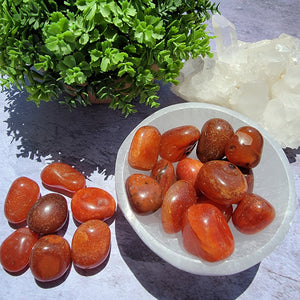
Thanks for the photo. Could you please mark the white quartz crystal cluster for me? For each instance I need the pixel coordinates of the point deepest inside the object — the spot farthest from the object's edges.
(260, 80)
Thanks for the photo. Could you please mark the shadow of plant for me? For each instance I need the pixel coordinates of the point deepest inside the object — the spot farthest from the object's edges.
(163, 281)
(86, 137)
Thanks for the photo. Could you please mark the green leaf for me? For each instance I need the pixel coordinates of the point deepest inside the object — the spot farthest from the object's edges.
(84, 39)
(95, 55)
(105, 64)
(45, 62)
(93, 42)
(69, 61)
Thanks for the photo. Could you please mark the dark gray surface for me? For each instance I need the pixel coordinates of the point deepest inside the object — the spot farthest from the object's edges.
(262, 19)
(86, 137)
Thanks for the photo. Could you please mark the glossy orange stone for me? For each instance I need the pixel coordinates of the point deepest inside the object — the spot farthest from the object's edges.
(164, 173)
(226, 210)
(144, 148)
(92, 203)
(253, 214)
(50, 258)
(144, 193)
(177, 143)
(244, 148)
(215, 134)
(188, 169)
(249, 175)
(22, 194)
(206, 234)
(91, 244)
(16, 248)
(179, 197)
(62, 178)
(48, 214)
(222, 182)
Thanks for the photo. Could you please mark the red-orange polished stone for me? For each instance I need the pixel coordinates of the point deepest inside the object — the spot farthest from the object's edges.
(144, 148)
(253, 214)
(245, 147)
(144, 193)
(215, 134)
(16, 248)
(22, 194)
(222, 182)
(63, 178)
(91, 244)
(92, 203)
(177, 143)
(206, 234)
(179, 197)
(164, 173)
(50, 258)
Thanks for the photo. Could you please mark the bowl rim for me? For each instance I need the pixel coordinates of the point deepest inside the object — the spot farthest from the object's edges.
(155, 245)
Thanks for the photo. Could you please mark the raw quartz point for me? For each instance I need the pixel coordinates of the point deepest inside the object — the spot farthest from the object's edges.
(260, 80)
(226, 34)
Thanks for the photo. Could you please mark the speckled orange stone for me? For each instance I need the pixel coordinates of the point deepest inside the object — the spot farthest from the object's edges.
(91, 244)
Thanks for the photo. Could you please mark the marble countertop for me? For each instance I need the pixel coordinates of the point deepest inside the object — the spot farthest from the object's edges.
(89, 138)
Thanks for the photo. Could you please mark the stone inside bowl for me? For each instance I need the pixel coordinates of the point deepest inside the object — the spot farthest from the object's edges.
(273, 180)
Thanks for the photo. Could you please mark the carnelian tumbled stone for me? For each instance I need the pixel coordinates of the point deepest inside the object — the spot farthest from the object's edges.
(63, 178)
(178, 142)
(144, 148)
(179, 197)
(222, 182)
(226, 210)
(16, 248)
(164, 172)
(253, 214)
(90, 244)
(23, 193)
(188, 169)
(50, 258)
(245, 147)
(144, 193)
(92, 203)
(248, 173)
(215, 134)
(48, 214)
(206, 234)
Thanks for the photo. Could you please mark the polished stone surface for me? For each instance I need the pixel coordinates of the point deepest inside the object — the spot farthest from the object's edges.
(89, 138)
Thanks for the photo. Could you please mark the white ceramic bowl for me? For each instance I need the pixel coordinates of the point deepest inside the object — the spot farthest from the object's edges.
(273, 180)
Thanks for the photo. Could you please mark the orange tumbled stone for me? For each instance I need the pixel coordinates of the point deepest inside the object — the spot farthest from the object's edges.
(164, 172)
(206, 234)
(245, 146)
(63, 178)
(91, 244)
(50, 258)
(16, 248)
(177, 143)
(144, 148)
(253, 214)
(22, 194)
(92, 203)
(179, 197)
(144, 193)
(222, 182)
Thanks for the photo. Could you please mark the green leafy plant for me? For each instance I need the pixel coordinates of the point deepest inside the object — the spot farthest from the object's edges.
(99, 49)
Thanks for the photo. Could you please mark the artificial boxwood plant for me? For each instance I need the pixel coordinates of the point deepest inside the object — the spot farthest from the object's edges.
(99, 49)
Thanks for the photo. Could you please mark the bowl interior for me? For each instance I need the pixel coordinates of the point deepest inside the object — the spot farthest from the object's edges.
(273, 180)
